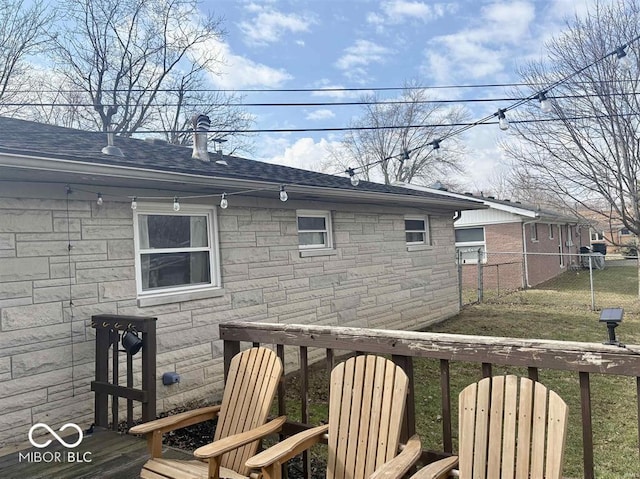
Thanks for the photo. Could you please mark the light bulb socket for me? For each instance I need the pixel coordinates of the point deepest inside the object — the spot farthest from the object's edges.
(224, 203)
(134, 203)
(283, 193)
(99, 201)
(176, 204)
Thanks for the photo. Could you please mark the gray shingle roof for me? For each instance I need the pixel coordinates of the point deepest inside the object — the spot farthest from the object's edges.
(40, 140)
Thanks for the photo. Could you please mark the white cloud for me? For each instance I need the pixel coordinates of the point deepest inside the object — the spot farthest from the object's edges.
(304, 153)
(321, 114)
(270, 25)
(240, 72)
(360, 55)
(397, 11)
(330, 90)
(482, 50)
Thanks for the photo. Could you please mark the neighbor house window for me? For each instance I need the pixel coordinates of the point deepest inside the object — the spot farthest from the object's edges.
(417, 230)
(534, 231)
(470, 243)
(314, 229)
(551, 232)
(597, 235)
(176, 252)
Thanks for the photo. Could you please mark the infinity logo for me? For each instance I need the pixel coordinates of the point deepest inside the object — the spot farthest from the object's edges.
(53, 433)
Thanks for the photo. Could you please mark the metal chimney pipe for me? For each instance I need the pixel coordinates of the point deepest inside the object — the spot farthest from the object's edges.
(201, 125)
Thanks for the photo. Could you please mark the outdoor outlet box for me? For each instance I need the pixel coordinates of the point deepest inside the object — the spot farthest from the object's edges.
(170, 378)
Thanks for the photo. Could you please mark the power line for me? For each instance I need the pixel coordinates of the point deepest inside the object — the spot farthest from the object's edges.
(324, 90)
(311, 104)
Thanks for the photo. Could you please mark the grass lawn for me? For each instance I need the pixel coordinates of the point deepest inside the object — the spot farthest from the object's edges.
(559, 309)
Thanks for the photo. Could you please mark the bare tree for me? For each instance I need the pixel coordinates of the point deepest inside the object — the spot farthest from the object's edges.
(395, 140)
(187, 96)
(124, 54)
(23, 33)
(586, 152)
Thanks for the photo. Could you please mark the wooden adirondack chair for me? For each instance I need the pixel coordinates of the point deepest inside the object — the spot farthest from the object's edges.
(367, 398)
(251, 385)
(506, 432)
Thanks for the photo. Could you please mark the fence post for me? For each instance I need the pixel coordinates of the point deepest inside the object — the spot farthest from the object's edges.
(459, 262)
(593, 297)
(480, 273)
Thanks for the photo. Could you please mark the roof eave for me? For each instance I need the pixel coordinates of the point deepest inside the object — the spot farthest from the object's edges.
(74, 167)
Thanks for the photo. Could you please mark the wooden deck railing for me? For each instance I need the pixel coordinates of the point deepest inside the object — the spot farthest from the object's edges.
(581, 358)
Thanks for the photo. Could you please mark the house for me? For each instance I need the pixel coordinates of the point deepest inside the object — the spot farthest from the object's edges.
(91, 224)
(518, 245)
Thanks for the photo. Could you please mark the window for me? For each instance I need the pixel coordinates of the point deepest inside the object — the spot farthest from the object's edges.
(534, 231)
(417, 230)
(597, 235)
(470, 243)
(176, 252)
(551, 232)
(314, 229)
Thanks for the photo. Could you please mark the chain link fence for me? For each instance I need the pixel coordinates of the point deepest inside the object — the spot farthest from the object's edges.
(588, 279)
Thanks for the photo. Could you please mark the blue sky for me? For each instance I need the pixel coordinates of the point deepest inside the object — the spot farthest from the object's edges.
(302, 44)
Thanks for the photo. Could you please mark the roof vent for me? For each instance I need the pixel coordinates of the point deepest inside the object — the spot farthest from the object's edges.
(201, 125)
(491, 197)
(111, 149)
(220, 160)
(468, 193)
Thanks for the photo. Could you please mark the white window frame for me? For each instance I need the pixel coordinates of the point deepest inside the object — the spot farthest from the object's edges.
(533, 229)
(551, 232)
(425, 231)
(183, 292)
(473, 245)
(328, 231)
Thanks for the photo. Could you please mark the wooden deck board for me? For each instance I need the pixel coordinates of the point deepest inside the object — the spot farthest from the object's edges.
(113, 455)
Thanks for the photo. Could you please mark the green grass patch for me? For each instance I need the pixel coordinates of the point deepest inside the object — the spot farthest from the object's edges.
(555, 310)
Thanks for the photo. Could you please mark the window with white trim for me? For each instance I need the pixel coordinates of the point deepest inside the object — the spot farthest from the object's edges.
(470, 244)
(417, 230)
(597, 235)
(534, 231)
(314, 229)
(176, 252)
(551, 232)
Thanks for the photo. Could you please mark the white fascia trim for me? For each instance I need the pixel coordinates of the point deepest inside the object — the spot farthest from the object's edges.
(80, 167)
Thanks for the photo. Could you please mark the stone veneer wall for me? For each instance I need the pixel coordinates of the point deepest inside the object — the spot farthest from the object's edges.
(372, 281)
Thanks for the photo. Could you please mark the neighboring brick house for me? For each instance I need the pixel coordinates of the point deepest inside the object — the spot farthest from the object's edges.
(519, 245)
(72, 245)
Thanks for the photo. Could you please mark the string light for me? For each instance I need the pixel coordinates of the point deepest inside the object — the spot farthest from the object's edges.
(436, 149)
(224, 203)
(623, 59)
(545, 104)
(283, 194)
(99, 202)
(176, 204)
(355, 181)
(503, 123)
(134, 203)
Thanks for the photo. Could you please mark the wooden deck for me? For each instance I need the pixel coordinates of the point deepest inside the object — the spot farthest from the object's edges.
(112, 455)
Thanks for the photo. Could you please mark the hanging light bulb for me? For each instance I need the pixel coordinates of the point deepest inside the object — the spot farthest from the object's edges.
(436, 149)
(503, 123)
(623, 59)
(224, 203)
(545, 104)
(283, 194)
(99, 199)
(355, 181)
(176, 204)
(134, 203)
